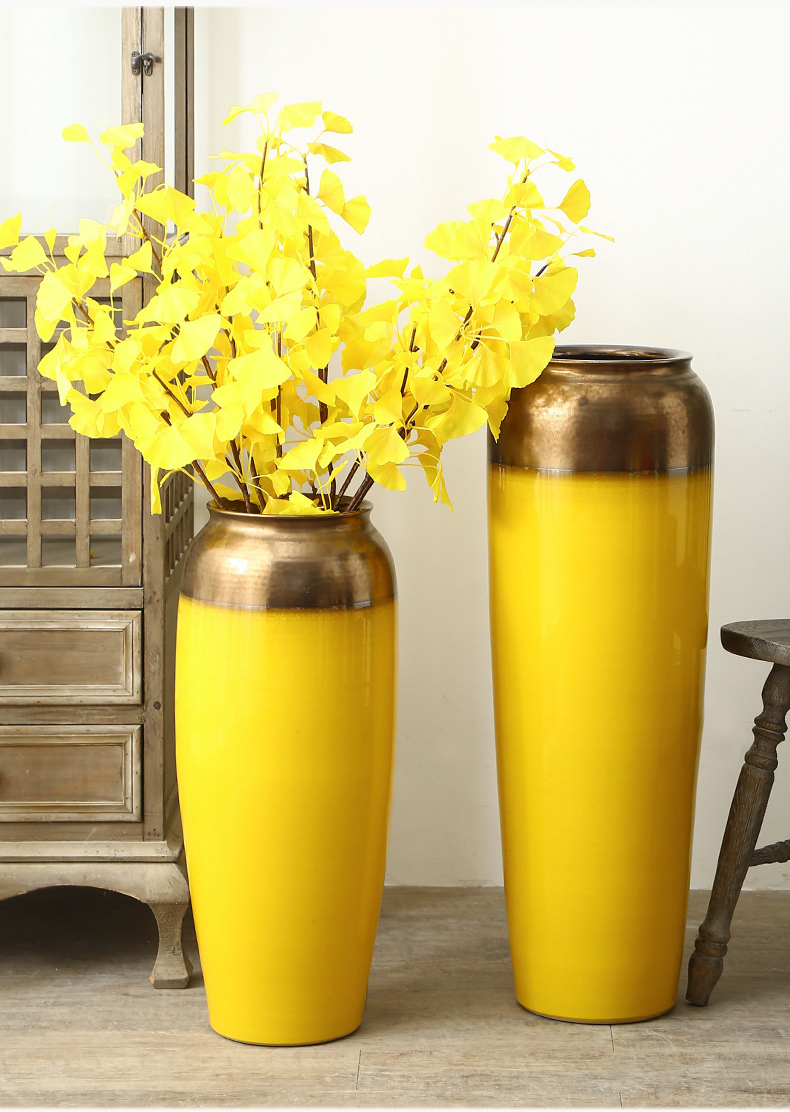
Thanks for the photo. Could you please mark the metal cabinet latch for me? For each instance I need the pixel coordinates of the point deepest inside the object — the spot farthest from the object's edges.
(144, 63)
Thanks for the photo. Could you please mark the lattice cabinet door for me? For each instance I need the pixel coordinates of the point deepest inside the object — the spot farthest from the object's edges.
(70, 507)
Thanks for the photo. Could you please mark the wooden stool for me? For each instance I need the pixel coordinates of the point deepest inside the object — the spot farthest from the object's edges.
(769, 641)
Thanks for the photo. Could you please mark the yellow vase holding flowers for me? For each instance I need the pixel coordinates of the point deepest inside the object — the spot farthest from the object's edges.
(257, 368)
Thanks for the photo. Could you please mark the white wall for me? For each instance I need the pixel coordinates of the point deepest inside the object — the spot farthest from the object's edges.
(676, 116)
(50, 182)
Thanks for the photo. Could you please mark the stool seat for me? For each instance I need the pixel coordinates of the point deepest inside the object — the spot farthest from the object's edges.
(767, 640)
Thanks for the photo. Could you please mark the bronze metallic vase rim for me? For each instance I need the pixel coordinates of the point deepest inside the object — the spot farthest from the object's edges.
(360, 513)
(614, 357)
(604, 408)
(289, 561)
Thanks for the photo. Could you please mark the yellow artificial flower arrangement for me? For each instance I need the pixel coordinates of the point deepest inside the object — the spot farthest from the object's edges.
(227, 373)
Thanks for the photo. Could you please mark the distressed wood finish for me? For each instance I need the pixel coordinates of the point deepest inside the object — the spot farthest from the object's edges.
(70, 656)
(184, 139)
(69, 773)
(767, 641)
(88, 588)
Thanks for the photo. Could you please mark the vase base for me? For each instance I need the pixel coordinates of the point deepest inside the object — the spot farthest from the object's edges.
(285, 1043)
(599, 1021)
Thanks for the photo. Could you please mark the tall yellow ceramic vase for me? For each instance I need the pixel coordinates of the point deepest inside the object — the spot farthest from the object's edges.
(599, 530)
(285, 703)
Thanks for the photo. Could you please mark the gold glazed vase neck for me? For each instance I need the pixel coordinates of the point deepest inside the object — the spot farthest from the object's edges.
(609, 409)
(289, 561)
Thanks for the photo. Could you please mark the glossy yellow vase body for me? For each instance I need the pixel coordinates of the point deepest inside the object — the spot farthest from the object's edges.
(285, 724)
(599, 586)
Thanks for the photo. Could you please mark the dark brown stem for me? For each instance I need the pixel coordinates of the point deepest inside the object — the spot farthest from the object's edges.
(323, 411)
(406, 372)
(209, 369)
(239, 480)
(256, 483)
(278, 414)
(235, 448)
(207, 484)
(260, 187)
(309, 226)
(170, 393)
(345, 485)
(365, 486)
(501, 238)
(144, 230)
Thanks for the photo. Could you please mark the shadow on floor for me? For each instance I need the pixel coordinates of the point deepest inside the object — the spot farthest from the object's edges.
(83, 928)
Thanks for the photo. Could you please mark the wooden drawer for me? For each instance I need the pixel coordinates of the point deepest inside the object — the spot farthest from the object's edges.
(70, 656)
(69, 773)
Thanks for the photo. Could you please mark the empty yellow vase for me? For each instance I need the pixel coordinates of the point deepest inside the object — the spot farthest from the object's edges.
(599, 531)
(285, 702)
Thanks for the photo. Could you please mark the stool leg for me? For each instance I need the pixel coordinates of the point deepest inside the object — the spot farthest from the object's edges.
(740, 836)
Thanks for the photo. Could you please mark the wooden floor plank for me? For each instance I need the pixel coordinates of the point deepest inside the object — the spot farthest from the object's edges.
(81, 1026)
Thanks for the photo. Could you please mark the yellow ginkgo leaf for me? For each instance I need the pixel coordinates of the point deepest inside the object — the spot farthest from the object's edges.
(516, 149)
(463, 416)
(142, 259)
(230, 418)
(299, 115)
(576, 202)
(387, 475)
(200, 432)
(354, 390)
(553, 289)
(319, 347)
(302, 457)
(338, 124)
(442, 240)
(329, 154)
(385, 446)
(388, 409)
(528, 358)
(75, 133)
(52, 297)
(388, 268)
(592, 232)
(124, 136)
(331, 191)
(525, 194)
(9, 231)
(262, 103)
(356, 212)
(166, 203)
(301, 323)
(120, 274)
(196, 337)
(241, 188)
(27, 255)
(563, 161)
(170, 305)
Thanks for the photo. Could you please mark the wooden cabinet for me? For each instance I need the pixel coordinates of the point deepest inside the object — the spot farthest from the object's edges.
(88, 593)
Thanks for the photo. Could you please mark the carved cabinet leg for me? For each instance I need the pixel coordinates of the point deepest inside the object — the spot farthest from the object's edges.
(740, 836)
(172, 967)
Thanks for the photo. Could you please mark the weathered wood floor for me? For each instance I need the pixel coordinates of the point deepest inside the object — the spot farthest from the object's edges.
(80, 1024)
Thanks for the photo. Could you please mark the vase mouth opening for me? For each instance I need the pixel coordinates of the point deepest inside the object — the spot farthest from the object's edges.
(625, 357)
(235, 511)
